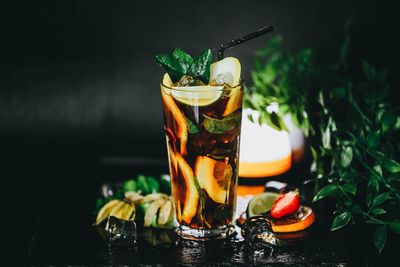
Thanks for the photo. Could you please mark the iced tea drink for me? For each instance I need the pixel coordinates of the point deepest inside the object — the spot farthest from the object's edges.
(202, 127)
(202, 104)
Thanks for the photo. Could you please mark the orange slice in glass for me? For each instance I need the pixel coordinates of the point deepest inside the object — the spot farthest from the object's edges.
(191, 196)
(214, 176)
(181, 130)
(235, 101)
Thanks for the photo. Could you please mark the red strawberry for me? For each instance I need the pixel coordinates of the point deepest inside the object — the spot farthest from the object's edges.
(285, 204)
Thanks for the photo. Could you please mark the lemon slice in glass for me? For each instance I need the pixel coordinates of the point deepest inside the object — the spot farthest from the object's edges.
(225, 71)
(197, 95)
(261, 203)
(166, 84)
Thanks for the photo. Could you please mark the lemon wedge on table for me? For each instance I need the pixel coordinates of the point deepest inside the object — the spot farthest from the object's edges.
(261, 203)
(226, 71)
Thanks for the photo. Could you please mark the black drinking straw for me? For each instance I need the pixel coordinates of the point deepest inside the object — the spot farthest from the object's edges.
(221, 49)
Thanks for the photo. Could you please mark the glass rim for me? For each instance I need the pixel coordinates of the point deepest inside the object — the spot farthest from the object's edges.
(225, 88)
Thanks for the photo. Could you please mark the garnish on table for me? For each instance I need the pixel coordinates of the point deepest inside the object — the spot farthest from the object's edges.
(285, 204)
(284, 211)
(143, 199)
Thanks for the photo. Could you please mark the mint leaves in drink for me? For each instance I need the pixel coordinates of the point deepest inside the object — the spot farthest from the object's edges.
(180, 63)
(220, 126)
(192, 128)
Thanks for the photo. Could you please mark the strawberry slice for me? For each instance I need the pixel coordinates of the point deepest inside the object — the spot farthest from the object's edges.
(285, 204)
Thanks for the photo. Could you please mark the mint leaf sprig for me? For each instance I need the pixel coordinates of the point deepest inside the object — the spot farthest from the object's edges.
(180, 63)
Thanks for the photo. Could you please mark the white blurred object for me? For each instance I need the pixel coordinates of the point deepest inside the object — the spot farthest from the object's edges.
(296, 138)
(266, 152)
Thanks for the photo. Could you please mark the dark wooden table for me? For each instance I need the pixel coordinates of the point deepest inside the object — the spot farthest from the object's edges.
(65, 236)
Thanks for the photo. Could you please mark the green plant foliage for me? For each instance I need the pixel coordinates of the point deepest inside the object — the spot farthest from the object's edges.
(353, 125)
(341, 220)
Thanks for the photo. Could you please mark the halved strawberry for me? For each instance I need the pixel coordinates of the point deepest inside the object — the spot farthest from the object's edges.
(285, 204)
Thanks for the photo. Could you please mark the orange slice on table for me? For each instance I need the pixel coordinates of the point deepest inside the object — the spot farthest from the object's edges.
(293, 235)
(214, 176)
(303, 218)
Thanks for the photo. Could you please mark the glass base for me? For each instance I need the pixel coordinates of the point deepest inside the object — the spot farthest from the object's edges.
(205, 234)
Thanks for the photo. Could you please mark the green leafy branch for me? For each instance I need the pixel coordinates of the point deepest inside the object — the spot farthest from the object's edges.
(352, 122)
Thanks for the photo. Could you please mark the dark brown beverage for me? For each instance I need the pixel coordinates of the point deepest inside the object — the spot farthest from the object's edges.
(202, 125)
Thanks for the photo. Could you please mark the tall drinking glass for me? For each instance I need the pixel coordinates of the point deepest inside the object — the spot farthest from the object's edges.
(202, 128)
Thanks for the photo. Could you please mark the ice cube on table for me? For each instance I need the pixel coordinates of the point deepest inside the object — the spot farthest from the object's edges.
(122, 234)
(257, 231)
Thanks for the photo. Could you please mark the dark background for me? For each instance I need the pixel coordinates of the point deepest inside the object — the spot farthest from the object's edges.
(78, 81)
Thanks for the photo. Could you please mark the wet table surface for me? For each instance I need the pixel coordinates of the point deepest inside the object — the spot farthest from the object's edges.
(65, 236)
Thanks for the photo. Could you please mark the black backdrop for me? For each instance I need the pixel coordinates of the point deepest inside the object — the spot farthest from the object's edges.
(83, 71)
(78, 80)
